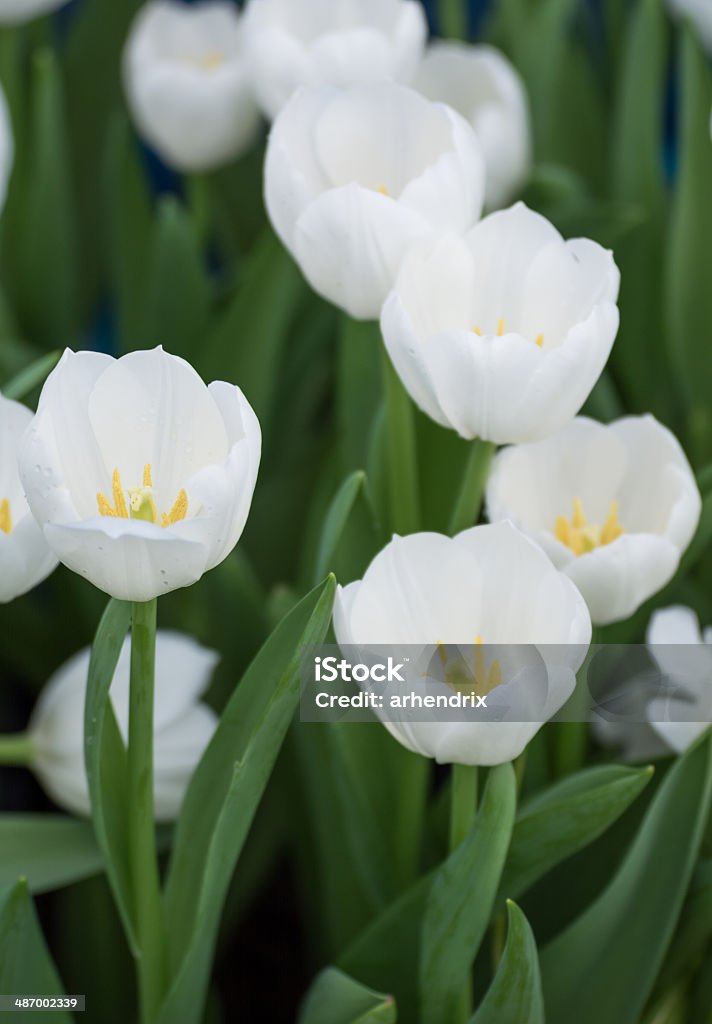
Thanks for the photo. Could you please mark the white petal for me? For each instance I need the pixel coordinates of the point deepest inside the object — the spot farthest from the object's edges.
(127, 558)
(13, 12)
(25, 559)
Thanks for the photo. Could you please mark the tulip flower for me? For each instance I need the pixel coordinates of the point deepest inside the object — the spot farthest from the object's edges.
(25, 558)
(140, 476)
(502, 335)
(683, 653)
(489, 586)
(481, 84)
(12, 12)
(188, 84)
(183, 727)
(353, 177)
(700, 14)
(613, 506)
(330, 42)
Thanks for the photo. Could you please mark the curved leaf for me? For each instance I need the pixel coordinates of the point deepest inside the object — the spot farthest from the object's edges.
(515, 994)
(334, 998)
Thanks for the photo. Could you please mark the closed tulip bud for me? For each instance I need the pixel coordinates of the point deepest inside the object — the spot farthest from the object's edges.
(330, 42)
(481, 84)
(183, 726)
(25, 557)
(140, 475)
(188, 85)
(613, 506)
(354, 176)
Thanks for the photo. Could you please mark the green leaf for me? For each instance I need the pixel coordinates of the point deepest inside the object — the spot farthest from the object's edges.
(563, 819)
(50, 850)
(39, 235)
(613, 951)
(223, 797)
(130, 223)
(179, 295)
(689, 297)
(26, 967)
(355, 546)
(247, 344)
(334, 998)
(31, 377)
(515, 994)
(105, 759)
(461, 900)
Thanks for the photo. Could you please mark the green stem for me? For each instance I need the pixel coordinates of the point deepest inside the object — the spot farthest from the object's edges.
(402, 456)
(17, 749)
(199, 193)
(469, 500)
(452, 19)
(572, 736)
(463, 810)
(142, 835)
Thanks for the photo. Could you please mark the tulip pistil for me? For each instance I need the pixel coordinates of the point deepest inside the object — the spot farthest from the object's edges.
(580, 536)
(477, 678)
(141, 503)
(5, 516)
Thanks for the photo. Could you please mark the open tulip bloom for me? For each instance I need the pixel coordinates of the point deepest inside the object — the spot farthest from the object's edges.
(330, 42)
(183, 726)
(354, 176)
(489, 587)
(502, 334)
(140, 476)
(613, 506)
(25, 557)
(188, 85)
(481, 84)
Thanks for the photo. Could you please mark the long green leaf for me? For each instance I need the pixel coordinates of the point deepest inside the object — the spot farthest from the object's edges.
(461, 900)
(50, 850)
(223, 796)
(31, 377)
(515, 994)
(105, 759)
(26, 967)
(565, 818)
(613, 951)
(334, 998)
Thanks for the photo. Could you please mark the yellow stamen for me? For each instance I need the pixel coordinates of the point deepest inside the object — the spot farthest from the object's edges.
(178, 512)
(211, 61)
(382, 190)
(539, 340)
(580, 536)
(141, 502)
(500, 328)
(5, 517)
(477, 330)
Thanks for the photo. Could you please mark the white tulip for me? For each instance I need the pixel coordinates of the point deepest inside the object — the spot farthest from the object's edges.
(481, 84)
(182, 726)
(353, 177)
(613, 506)
(139, 474)
(188, 84)
(489, 585)
(700, 14)
(330, 42)
(683, 653)
(25, 558)
(502, 335)
(12, 12)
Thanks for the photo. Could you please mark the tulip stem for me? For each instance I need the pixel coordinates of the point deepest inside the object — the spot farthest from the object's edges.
(463, 811)
(472, 487)
(452, 19)
(572, 736)
(142, 835)
(401, 453)
(17, 750)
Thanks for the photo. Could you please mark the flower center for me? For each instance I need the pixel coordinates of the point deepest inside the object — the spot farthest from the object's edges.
(141, 504)
(210, 61)
(580, 536)
(5, 517)
(539, 340)
(468, 678)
